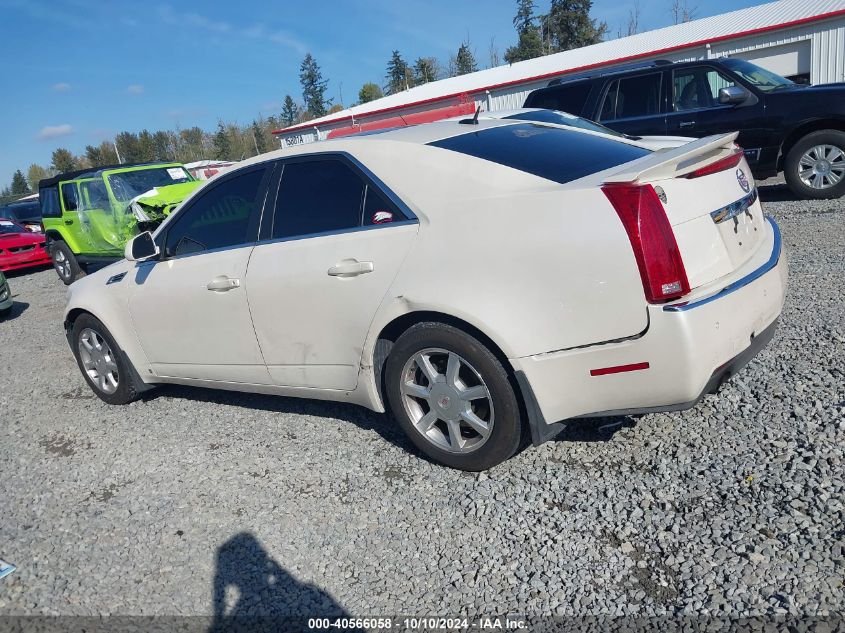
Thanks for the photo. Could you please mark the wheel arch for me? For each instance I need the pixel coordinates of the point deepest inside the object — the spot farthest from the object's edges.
(120, 337)
(805, 128)
(392, 330)
(54, 235)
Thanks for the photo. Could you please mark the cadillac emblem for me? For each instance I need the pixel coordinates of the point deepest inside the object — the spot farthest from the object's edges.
(742, 179)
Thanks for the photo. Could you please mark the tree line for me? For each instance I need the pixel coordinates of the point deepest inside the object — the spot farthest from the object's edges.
(567, 25)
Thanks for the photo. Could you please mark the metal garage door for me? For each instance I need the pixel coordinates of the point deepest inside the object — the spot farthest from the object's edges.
(787, 60)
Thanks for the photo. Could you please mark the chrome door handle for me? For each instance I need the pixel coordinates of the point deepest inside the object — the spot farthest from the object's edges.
(222, 283)
(687, 123)
(350, 268)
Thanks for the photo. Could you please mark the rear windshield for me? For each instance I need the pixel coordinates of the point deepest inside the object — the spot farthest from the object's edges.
(556, 154)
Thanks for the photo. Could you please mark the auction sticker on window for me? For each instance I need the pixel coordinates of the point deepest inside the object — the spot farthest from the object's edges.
(176, 173)
(6, 568)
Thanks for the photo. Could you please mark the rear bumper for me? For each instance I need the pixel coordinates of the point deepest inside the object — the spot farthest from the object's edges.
(688, 350)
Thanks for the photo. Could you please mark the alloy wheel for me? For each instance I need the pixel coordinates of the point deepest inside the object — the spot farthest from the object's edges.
(447, 400)
(98, 360)
(822, 166)
(62, 264)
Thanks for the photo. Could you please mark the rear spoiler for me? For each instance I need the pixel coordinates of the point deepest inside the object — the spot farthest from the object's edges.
(677, 161)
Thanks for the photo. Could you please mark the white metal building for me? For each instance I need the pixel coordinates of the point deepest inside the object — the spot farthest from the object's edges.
(802, 39)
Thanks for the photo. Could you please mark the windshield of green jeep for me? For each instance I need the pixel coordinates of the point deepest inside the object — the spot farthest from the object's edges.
(126, 185)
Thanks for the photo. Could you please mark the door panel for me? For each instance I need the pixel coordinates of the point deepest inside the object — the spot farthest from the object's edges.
(190, 331)
(311, 322)
(697, 111)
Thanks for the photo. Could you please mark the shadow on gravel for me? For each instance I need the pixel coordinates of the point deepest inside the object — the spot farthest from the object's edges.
(595, 429)
(265, 596)
(363, 418)
(776, 193)
(23, 272)
(17, 309)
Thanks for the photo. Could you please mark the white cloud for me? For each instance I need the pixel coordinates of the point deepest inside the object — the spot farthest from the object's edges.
(135, 89)
(286, 39)
(61, 87)
(55, 131)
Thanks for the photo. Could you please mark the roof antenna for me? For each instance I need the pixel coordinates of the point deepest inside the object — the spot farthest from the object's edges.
(474, 119)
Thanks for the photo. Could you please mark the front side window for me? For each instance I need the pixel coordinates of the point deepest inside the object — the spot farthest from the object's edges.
(126, 185)
(760, 78)
(48, 197)
(633, 97)
(225, 215)
(69, 196)
(317, 196)
(697, 87)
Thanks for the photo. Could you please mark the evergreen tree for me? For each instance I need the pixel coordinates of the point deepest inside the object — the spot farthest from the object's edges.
(128, 147)
(222, 143)
(425, 69)
(94, 156)
(530, 44)
(19, 186)
(398, 74)
(313, 87)
(34, 175)
(146, 147)
(162, 146)
(569, 25)
(465, 60)
(369, 92)
(259, 141)
(63, 160)
(290, 112)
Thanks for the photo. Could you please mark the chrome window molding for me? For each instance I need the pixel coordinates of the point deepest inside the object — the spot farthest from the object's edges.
(739, 283)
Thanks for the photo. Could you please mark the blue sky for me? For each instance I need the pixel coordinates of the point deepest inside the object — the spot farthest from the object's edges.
(76, 72)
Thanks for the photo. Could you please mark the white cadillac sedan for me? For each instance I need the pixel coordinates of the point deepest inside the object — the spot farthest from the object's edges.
(484, 282)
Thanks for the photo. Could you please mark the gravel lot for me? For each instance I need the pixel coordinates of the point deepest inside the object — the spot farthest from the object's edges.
(192, 500)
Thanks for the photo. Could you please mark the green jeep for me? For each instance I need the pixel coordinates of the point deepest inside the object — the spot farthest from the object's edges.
(89, 215)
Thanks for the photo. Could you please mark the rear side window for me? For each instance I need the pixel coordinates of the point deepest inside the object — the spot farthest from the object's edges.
(568, 98)
(316, 197)
(556, 154)
(633, 97)
(49, 199)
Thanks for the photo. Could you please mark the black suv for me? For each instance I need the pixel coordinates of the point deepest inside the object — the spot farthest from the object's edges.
(783, 126)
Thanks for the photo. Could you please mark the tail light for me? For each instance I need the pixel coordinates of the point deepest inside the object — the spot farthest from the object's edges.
(655, 249)
(728, 162)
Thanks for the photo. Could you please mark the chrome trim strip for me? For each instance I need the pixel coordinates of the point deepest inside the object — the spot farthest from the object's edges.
(739, 283)
(354, 229)
(734, 209)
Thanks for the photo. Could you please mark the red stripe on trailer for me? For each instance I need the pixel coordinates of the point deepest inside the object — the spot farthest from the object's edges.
(415, 118)
(558, 73)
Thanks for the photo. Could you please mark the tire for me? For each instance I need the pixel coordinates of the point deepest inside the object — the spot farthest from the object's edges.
(65, 263)
(106, 370)
(444, 422)
(820, 158)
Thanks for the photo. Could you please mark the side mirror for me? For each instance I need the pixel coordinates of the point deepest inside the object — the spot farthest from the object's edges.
(140, 247)
(732, 95)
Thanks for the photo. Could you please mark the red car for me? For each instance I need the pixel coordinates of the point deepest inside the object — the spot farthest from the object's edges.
(20, 248)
